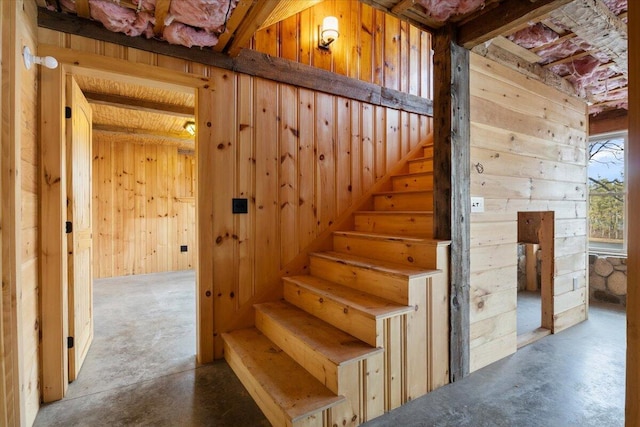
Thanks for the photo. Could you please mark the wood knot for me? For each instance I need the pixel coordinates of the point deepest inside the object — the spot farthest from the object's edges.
(207, 294)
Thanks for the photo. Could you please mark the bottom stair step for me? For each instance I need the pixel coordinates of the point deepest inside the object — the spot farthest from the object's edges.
(286, 393)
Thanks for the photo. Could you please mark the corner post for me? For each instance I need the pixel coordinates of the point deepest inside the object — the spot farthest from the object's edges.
(452, 202)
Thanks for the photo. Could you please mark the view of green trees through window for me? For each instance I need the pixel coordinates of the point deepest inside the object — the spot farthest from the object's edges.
(607, 194)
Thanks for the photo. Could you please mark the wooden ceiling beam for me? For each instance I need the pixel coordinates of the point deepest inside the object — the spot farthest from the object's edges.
(234, 21)
(559, 40)
(177, 137)
(137, 104)
(258, 14)
(402, 6)
(82, 8)
(568, 59)
(162, 9)
(593, 21)
(510, 15)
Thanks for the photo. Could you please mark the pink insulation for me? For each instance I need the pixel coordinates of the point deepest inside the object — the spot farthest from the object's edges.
(147, 5)
(209, 15)
(534, 36)
(616, 6)
(120, 19)
(68, 5)
(441, 10)
(562, 50)
(177, 33)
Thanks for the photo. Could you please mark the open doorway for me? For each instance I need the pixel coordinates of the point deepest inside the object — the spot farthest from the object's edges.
(536, 231)
(143, 210)
(148, 171)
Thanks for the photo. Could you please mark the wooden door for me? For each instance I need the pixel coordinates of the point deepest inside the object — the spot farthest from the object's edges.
(79, 227)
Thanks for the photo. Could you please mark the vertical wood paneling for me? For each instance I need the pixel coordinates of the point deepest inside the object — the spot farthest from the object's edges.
(512, 178)
(256, 120)
(373, 46)
(143, 208)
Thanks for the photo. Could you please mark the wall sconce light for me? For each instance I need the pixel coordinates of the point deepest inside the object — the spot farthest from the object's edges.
(190, 127)
(30, 59)
(328, 32)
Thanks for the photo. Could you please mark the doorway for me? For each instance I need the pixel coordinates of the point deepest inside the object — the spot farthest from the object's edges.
(535, 288)
(124, 179)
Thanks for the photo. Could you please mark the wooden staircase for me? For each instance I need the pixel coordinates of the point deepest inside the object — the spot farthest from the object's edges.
(367, 330)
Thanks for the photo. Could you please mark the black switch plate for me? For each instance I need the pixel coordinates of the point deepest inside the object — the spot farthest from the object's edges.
(239, 206)
(183, 248)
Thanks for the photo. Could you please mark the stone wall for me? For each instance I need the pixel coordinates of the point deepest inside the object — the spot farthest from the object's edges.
(608, 279)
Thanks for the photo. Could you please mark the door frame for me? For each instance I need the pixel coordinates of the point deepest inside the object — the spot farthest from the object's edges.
(53, 248)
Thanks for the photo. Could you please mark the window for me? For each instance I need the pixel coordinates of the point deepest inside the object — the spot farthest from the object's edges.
(607, 194)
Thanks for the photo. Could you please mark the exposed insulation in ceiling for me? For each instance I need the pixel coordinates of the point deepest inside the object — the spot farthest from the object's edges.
(442, 10)
(188, 23)
(589, 69)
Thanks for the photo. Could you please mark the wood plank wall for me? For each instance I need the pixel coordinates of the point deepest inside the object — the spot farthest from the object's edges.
(20, 245)
(299, 156)
(528, 153)
(143, 207)
(373, 46)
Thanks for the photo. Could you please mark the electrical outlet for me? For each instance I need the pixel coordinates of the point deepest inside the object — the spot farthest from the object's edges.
(477, 204)
(239, 206)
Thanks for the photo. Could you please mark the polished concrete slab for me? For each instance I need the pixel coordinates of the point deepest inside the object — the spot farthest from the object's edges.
(141, 372)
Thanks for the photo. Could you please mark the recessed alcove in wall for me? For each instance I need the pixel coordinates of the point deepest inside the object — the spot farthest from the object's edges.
(536, 229)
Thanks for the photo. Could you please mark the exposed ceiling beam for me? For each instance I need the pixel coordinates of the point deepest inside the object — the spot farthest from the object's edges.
(82, 8)
(181, 138)
(234, 21)
(516, 49)
(402, 6)
(555, 42)
(568, 59)
(287, 8)
(504, 19)
(591, 20)
(129, 103)
(162, 9)
(250, 24)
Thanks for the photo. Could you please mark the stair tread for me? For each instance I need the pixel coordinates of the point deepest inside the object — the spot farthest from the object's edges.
(374, 264)
(367, 304)
(395, 212)
(294, 389)
(420, 159)
(381, 236)
(337, 346)
(404, 175)
(391, 193)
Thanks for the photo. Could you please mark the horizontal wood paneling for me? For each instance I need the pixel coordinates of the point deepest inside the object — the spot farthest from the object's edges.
(528, 153)
(143, 208)
(373, 46)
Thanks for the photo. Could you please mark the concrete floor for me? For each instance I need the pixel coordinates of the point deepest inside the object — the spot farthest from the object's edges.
(529, 311)
(141, 371)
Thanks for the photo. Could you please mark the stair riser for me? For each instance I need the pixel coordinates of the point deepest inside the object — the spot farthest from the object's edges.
(415, 224)
(376, 283)
(422, 165)
(412, 254)
(428, 151)
(403, 202)
(412, 182)
(336, 314)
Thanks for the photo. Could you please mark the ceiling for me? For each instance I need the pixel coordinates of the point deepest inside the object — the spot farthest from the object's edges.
(579, 46)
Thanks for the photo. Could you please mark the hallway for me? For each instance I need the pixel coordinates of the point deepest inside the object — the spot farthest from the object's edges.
(141, 371)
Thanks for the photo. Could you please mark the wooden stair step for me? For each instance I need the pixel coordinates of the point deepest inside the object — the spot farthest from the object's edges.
(412, 181)
(406, 223)
(286, 393)
(353, 311)
(427, 151)
(417, 251)
(421, 164)
(344, 364)
(415, 200)
(384, 279)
